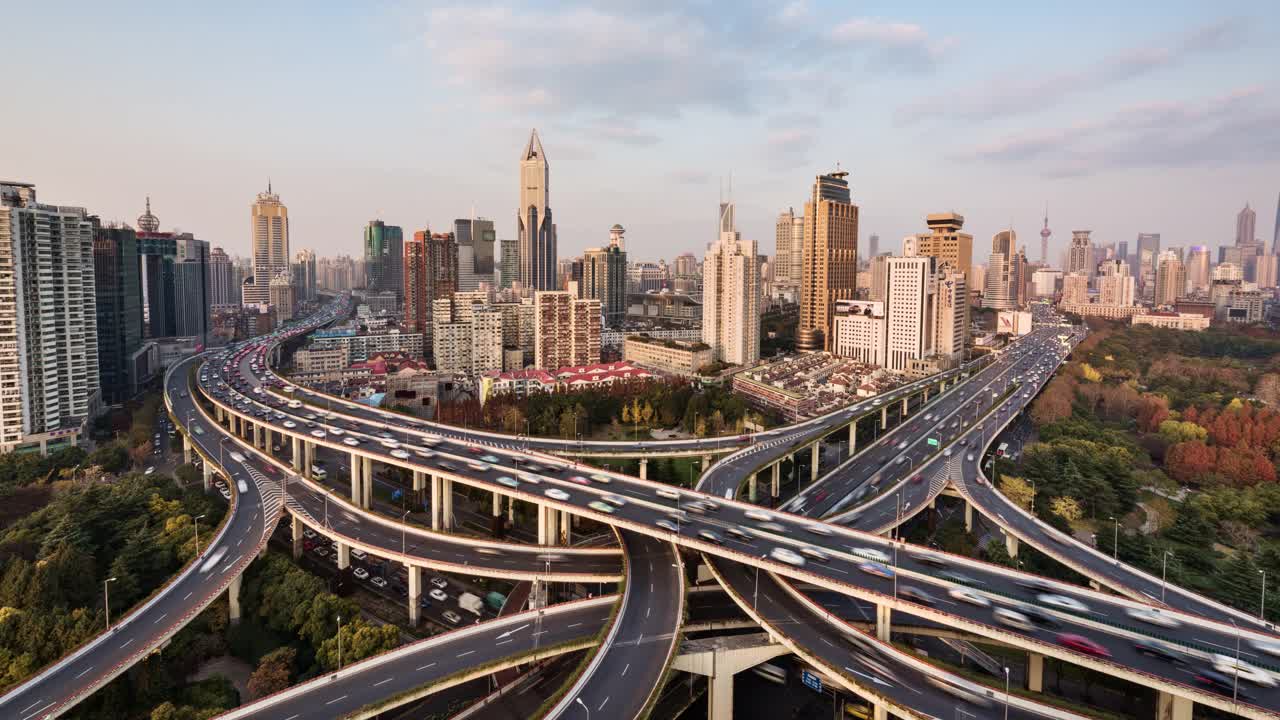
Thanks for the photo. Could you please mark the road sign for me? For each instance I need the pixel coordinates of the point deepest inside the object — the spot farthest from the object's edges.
(811, 681)
(933, 442)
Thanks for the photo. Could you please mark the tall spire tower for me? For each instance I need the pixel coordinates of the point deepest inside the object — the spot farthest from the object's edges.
(1045, 232)
(537, 231)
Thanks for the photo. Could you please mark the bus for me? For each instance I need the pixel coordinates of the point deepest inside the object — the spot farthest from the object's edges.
(1002, 450)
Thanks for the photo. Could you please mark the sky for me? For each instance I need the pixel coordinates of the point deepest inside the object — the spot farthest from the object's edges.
(1118, 117)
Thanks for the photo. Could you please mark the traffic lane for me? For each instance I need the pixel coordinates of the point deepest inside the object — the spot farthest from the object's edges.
(631, 670)
(437, 658)
(135, 635)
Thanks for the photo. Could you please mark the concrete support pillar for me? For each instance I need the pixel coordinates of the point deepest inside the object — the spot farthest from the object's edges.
(296, 526)
(208, 476)
(419, 484)
(1173, 707)
(884, 418)
(1035, 672)
(720, 698)
(644, 468)
(904, 408)
(879, 712)
(814, 457)
(356, 493)
(777, 478)
(853, 438)
(751, 488)
(436, 502)
(884, 615)
(542, 525)
(1011, 544)
(415, 593)
(497, 505)
(186, 449)
(295, 452)
(233, 598)
(926, 396)
(308, 457)
(261, 438)
(446, 504)
(366, 484)
(511, 510)
(344, 556)
(565, 527)
(706, 463)
(968, 516)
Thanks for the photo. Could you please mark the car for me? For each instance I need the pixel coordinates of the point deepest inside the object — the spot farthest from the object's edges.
(353, 442)
(931, 560)
(871, 554)
(490, 458)
(149, 471)
(916, 595)
(439, 582)
(452, 617)
(290, 424)
(969, 457)
(424, 453)
(317, 433)
(309, 534)
(358, 554)
(389, 443)
(773, 527)
(322, 552)
(379, 582)
(972, 597)
(1035, 585)
(615, 500)
(602, 479)
(874, 568)
(1221, 684)
(398, 453)
(1159, 650)
(1063, 602)
(1153, 617)
(1230, 666)
(814, 553)
(336, 431)
(758, 516)
(438, 595)
(668, 494)
(601, 506)
(787, 556)
(964, 693)
(666, 524)
(917, 479)
(360, 573)
(475, 450)
(817, 529)
(710, 537)
(1082, 644)
(1269, 647)
(556, 494)
(738, 533)
(578, 480)
(1013, 618)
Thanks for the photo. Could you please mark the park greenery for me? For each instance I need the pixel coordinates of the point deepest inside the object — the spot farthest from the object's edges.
(1169, 440)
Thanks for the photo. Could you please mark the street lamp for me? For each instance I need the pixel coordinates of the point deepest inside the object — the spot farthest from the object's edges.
(1006, 693)
(1115, 540)
(339, 643)
(584, 707)
(1164, 565)
(106, 600)
(196, 521)
(403, 541)
(1262, 609)
(1235, 682)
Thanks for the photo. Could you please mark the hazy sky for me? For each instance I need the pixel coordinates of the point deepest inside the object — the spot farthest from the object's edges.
(1124, 119)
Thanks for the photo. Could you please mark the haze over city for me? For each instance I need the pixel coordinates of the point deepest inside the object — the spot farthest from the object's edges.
(415, 112)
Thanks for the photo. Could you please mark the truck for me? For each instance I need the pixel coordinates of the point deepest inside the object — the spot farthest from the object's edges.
(471, 603)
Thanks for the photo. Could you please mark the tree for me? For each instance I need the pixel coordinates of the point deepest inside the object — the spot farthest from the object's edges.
(273, 673)
(1175, 431)
(1018, 490)
(1067, 508)
(1088, 373)
(359, 641)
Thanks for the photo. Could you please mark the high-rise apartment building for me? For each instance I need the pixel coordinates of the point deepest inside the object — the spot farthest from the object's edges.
(1080, 257)
(859, 331)
(731, 295)
(118, 293)
(910, 311)
(384, 258)
(604, 277)
(191, 291)
(49, 383)
(944, 241)
(1246, 225)
(1198, 268)
(566, 330)
(1266, 272)
(283, 296)
(509, 265)
(467, 334)
(224, 288)
(1171, 279)
(1001, 292)
(305, 275)
(537, 230)
(789, 256)
(1144, 263)
(830, 257)
(1075, 289)
(270, 243)
(1115, 284)
(430, 273)
(951, 316)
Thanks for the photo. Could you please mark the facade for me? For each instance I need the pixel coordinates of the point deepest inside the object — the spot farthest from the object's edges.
(523, 383)
(731, 295)
(509, 265)
(305, 275)
(156, 251)
(859, 331)
(829, 258)
(910, 311)
(467, 334)
(49, 382)
(417, 293)
(1014, 322)
(1266, 275)
(1198, 276)
(1171, 279)
(1145, 261)
(534, 223)
(1173, 320)
(1075, 289)
(384, 258)
(361, 347)
(192, 294)
(476, 239)
(118, 299)
(315, 361)
(1246, 225)
(789, 255)
(283, 298)
(1045, 282)
(944, 241)
(1115, 285)
(879, 277)
(678, 357)
(604, 277)
(566, 330)
(951, 322)
(1080, 254)
(1001, 290)
(1245, 306)
(224, 287)
(1113, 312)
(270, 223)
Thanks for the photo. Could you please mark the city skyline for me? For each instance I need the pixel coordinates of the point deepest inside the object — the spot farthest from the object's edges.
(710, 130)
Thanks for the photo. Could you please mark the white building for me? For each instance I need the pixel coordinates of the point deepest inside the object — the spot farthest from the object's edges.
(859, 331)
(910, 311)
(951, 323)
(731, 295)
(1045, 281)
(48, 322)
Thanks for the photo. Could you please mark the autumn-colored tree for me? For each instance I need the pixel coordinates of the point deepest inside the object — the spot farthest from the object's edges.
(1189, 461)
(1088, 374)
(1054, 403)
(1018, 490)
(1176, 431)
(273, 673)
(1151, 411)
(1067, 508)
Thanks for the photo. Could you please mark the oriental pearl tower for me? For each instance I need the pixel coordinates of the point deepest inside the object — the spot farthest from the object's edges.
(1045, 232)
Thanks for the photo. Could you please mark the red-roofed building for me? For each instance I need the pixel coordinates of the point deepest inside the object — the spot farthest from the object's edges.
(577, 377)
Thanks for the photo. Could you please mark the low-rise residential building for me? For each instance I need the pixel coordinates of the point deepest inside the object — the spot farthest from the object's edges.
(811, 384)
(680, 357)
(1114, 312)
(321, 360)
(363, 346)
(1172, 320)
(522, 383)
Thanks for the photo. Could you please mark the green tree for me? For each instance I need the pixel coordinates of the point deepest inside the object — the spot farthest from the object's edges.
(359, 641)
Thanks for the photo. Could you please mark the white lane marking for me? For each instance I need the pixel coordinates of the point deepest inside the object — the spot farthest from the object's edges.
(606, 702)
(37, 702)
(424, 667)
(344, 697)
(83, 673)
(127, 642)
(382, 682)
(469, 652)
(504, 642)
(157, 622)
(574, 625)
(292, 717)
(37, 712)
(624, 670)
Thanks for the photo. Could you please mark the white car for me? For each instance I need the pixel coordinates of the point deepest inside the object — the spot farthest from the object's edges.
(1013, 619)
(388, 443)
(1063, 602)
(1269, 647)
(379, 582)
(787, 556)
(358, 554)
(398, 453)
(353, 442)
(439, 582)
(556, 494)
(972, 597)
(360, 573)
(317, 433)
(438, 595)
(759, 516)
(1154, 617)
(1228, 665)
(290, 424)
(336, 431)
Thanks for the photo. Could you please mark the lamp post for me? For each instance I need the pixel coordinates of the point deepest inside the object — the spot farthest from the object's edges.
(106, 600)
(196, 521)
(1115, 540)
(1262, 608)
(339, 643)
(584, 707)
(403, 541)
(1006, 693)
(1164, 566)
(1235, 681)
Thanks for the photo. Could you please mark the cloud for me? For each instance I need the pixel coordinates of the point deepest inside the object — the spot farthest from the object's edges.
(689, 176)
(789, 139)
(900, 45)
(1240, 127)
(1003, 97)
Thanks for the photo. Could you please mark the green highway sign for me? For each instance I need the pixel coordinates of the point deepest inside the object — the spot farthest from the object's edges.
(933, 442)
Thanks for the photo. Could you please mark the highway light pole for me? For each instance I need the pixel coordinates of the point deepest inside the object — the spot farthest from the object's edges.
(339, 643)
(1262, 609)
(106, 600)
(1115, 540)
(196, 522)
(584, 707)
(1235, 682)
(403, 540)
(1164, 566)
(1006, 693)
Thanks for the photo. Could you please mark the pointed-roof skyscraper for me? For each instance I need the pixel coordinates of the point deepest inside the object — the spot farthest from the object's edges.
(534, 224)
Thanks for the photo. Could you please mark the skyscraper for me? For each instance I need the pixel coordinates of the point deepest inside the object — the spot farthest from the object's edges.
(48, 321)
(304, 278)
(731, 295)
(537, 230)
(1122, 251)
(118, 293)
(223, 287)
(191, 292)
(1246, 224)
(873, 246)
(384, 258)
(1000, 292)
(1080, 258)
(951, 323)
(789, 258)
(944, 241)
(910, 310)
(417, 296)
(604, 277)
(1144, 262)
(1171, 279)
(830, 270)
(270, 219)
(475, 240)
(1198, 277)
(509, 265)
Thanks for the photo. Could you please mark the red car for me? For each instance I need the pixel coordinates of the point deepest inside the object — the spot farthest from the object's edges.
(474, 450)
(917, 479)
(1080, 643)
